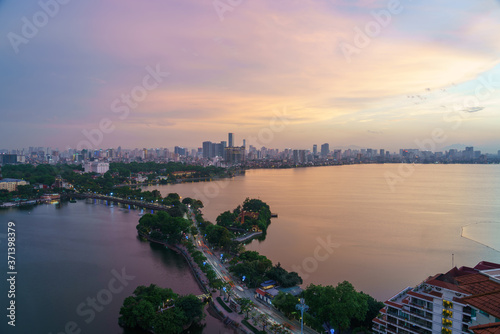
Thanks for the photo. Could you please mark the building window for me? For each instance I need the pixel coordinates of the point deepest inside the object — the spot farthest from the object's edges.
(484, 313)
(473, 314)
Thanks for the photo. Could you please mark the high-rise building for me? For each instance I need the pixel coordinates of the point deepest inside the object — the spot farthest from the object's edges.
(231, 139)
(8, 159)
(315, 150)
(469, 153)
(234, 155)
(179, 150)
(299, 156)
(325, 150)
(205, 147)
(465, 300)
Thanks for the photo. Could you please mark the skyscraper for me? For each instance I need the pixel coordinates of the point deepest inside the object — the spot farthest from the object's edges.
(231, 139)
(206, 149)
(315, 150)
(325, 149)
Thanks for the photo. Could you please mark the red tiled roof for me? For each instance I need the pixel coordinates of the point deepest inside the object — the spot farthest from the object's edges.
(393, 304)
(260, 292)
(472, 278)
(476, 284)
(488, 302)
(444, 285)
(378, 321)
(418, 295)
(492, 328)
(485, 265)
(436, 294)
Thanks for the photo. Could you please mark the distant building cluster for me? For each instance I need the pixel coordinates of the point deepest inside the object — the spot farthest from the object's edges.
(229, 153)
(465, 300)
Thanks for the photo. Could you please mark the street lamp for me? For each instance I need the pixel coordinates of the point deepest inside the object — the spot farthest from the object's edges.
(302, 307)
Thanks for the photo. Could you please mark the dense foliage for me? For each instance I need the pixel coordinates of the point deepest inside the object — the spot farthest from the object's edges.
(160, 309)
(257, 269)
(286, 303)
(163, 227)
(126, 169)
(118, 173)
(339, 306)
(234, 219)
(43, 174)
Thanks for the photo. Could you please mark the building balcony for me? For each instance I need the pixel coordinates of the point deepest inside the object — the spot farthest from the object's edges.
(417, 303)
(421, 313)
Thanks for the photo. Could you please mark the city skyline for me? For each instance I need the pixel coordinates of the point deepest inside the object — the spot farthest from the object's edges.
(367, 73)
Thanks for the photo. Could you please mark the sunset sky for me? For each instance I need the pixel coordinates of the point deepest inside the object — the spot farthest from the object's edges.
(280, 73)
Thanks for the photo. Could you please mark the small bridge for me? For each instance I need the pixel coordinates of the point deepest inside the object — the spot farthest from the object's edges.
(247, 236)
(138, 203)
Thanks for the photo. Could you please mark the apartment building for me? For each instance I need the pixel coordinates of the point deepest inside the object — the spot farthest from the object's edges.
(465, 300)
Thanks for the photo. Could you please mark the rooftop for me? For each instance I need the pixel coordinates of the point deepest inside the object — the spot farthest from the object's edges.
(487, 302)
(10, 180)
(493, 328)
(476, 284)
(294, 290)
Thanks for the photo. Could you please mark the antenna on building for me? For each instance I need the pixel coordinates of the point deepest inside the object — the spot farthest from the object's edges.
(453, 260)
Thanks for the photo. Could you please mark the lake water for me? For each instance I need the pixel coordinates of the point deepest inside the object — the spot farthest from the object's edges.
(389, 226)
(378, 237)
(71, 254)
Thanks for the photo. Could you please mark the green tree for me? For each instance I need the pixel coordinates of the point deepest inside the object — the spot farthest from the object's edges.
(284, 278)
(226, 219)
(338, 305)
(218, 236)
(156, 194)
(169, 321)
(191, 306)
(374, 307)
(286, 303)
(246, 305)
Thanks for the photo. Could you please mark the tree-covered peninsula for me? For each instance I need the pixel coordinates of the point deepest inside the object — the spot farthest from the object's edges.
(161, 311)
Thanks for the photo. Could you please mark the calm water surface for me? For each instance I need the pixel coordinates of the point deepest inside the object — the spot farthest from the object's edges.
(67, 254)
(382, 239)
(385, 238)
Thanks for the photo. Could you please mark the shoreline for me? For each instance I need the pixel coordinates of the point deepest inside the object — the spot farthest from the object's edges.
(212, 307)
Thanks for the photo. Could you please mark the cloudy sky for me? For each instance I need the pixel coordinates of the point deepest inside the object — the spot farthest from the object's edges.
(280, 73)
